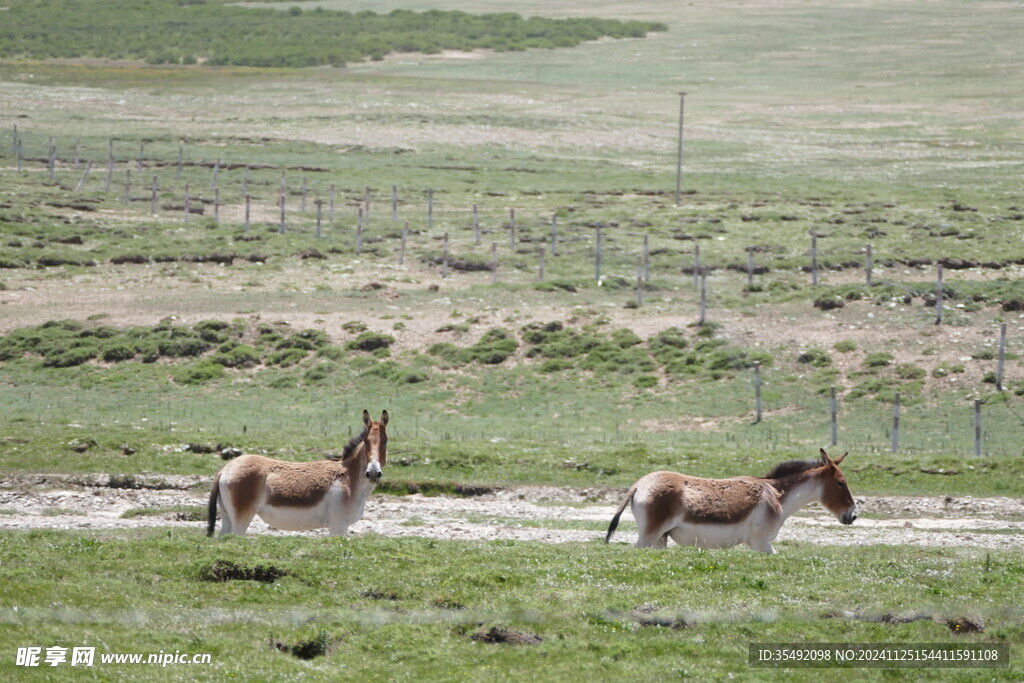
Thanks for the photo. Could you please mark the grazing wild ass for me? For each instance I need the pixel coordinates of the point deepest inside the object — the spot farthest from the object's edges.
(721, 513)
(299, 496)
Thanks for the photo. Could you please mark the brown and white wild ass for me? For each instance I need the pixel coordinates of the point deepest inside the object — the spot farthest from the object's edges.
(299, 496)
(721, 513)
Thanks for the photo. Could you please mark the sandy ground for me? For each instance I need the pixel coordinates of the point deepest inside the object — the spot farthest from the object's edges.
(544, 514)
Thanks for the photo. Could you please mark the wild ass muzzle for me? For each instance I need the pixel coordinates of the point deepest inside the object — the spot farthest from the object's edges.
(721, 513)
(299, 496)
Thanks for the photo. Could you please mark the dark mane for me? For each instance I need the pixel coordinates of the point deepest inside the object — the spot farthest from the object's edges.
(791, 467)
(351, 446)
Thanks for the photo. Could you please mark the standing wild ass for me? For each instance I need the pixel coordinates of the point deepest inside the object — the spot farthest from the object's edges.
(721, 513)
(299, 496)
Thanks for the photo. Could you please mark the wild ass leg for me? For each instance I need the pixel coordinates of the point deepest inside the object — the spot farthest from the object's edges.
(225, 517)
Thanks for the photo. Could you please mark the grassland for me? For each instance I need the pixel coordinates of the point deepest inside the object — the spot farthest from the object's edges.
(127, 334)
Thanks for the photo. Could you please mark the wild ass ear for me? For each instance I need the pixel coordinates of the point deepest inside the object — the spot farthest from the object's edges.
(366, 418)
(825, 460)
(841, 458)
(384, 417)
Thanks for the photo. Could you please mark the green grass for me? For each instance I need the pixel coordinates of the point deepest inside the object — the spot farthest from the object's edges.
(409, 608)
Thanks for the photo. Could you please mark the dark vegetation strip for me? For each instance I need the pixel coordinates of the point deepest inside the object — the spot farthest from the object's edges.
(216, 32)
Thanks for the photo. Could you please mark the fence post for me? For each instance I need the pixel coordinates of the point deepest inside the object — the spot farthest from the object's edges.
(188, 201)
(245, 180)
(216, 206)
(1002, 357)
(405, 237)
(20, 155)
(868, 265)
(835, 426)
(938, 296)
(359, 231)
(88, 167)
(757, 392)
(247, 206)
(597, 256)
(152, 196)
(696, 266)
(213, 177)
(283, 203)
(444, 258)
(319, 214)
(896, 423)
(977, 428)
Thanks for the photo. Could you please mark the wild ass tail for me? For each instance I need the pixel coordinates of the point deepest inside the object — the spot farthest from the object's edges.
(615, 519)
(211, 510)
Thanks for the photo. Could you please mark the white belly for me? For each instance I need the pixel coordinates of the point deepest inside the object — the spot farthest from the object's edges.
(754, 530)
(299, 518)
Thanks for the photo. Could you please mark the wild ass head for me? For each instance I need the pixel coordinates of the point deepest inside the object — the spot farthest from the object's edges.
(375, 440)
(835, 494)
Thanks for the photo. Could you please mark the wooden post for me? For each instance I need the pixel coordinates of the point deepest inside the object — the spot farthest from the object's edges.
(20, 155)
(319, 215)
(330, 205)
(835, 426)
(750, 267)
(359, 231)
(181, 157)
(216, 206)
(110, 165)
(977, 428)
(394, 203)
(405, 237)
(639, 281)
(188, 201)
(647, 260)
(696, 266)
(938, 296)
(494, 262)
(1002, 357)
(814, 258)
(703, 295)
(597, 256)
(430, 208)
(444, 258)
(154, 189)
(757, 393)
(283, 204)
(540, 269)
(127, 186)
(512, 229)
(679, 153)
(896, 423)
(247, 206)
(554, 234)
(868, 266)
(88, 167)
